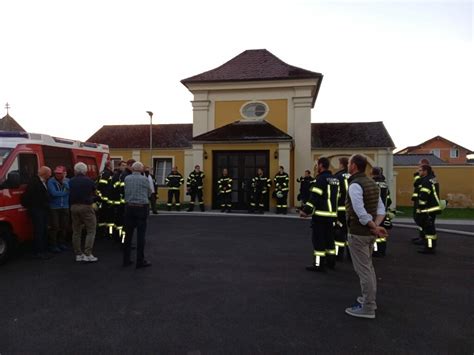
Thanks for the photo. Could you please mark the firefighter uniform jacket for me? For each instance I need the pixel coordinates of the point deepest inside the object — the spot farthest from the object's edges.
(343, 177)
(323, 196)
(261, 184)
(174, 181)
(224, 185)
(105, 187)
(416, 187)
(281, 182)
(428, 195)
(384, 191)
(304, 187)
(195, 180)
(116, 191)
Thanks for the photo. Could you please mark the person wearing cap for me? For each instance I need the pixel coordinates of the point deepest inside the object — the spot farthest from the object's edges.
(58, 189)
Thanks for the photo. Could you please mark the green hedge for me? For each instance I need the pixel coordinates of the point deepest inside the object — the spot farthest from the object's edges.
(448, 213)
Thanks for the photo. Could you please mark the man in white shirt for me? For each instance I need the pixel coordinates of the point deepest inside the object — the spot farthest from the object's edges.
(365, 212)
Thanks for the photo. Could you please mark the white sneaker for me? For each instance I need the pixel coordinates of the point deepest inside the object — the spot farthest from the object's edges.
(90, 258)
(80, 257)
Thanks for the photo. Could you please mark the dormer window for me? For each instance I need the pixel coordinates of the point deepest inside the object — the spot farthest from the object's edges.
(255, 110)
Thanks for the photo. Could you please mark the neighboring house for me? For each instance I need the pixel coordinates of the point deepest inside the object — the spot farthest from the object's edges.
(444, 149)
(455, 179)
(7, 123)
(253, 111)
(414, 159)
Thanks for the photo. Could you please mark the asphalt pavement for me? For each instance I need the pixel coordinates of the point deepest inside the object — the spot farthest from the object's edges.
(237, 284)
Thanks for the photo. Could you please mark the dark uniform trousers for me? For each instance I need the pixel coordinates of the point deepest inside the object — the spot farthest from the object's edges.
(428, 229)
(282, 204)
(226, 200)
(340, 234)
(196, 193)
(258, 201)
(173, 193)
(135, 217)
(323, 241)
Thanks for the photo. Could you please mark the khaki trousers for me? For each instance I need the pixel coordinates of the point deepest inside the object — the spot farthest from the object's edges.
(83, 216)
(361, 248)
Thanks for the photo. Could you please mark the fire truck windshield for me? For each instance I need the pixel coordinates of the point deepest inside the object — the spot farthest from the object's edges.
(4, 153)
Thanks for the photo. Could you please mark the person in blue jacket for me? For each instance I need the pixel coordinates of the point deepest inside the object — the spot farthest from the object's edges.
(58, 188)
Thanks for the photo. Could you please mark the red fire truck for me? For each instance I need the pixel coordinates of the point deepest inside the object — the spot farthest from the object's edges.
(21, 154)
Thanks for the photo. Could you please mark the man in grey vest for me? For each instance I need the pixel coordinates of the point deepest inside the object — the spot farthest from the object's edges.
(365, 212)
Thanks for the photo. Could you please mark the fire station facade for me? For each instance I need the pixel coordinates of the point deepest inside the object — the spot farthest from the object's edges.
(252, 112)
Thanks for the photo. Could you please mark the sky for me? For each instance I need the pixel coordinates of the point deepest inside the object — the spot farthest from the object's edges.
(69, 67)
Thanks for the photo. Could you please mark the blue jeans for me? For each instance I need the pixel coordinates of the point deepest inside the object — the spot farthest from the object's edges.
(39, 219)
(135, 217)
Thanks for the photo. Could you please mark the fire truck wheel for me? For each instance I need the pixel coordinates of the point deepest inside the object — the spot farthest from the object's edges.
(5, 242)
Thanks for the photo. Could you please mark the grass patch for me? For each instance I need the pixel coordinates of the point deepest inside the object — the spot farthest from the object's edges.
(448, 213)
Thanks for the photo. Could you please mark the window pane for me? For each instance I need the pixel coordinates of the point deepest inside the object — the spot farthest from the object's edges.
(27, 164)
(162, 169)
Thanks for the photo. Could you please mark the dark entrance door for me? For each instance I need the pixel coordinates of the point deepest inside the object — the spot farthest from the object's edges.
(242, 167)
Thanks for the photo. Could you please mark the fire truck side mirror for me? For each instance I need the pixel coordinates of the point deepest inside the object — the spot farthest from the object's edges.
(13, 180)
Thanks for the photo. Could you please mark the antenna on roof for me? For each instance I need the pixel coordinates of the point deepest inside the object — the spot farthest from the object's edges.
(7, 106)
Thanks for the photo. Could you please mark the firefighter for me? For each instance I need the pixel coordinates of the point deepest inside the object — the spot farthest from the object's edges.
(416, 217)
(429, 205)
(105, 214)
(259, 188)
(224, 188)
(380, 245)
(305, 182)
(194, 186)
(174, 180)
(322, 206)
(282, 182)
(340, 225)
(119, 201)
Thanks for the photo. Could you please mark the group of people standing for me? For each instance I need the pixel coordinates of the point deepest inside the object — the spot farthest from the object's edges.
(57, 204)
(348, 211)
(53, 202)
(257, 189)
(325, 196)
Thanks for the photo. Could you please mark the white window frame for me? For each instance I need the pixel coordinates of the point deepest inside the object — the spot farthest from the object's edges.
(454, 153)
(259, 118)
(161, 183)
(436, 152)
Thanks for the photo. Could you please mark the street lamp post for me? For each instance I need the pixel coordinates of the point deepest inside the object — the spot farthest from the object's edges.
(151, 140)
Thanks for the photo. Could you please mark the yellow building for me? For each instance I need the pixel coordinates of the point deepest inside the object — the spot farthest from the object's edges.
(252, 112)
(455, 180)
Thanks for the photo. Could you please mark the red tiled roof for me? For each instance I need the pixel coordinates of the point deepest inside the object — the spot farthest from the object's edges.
(350, 135)
(251, 131)
(251, 65)
(411, 148)
(138, 136)
(7, 123)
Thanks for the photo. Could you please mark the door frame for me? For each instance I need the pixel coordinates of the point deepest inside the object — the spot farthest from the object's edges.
(242, 203)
